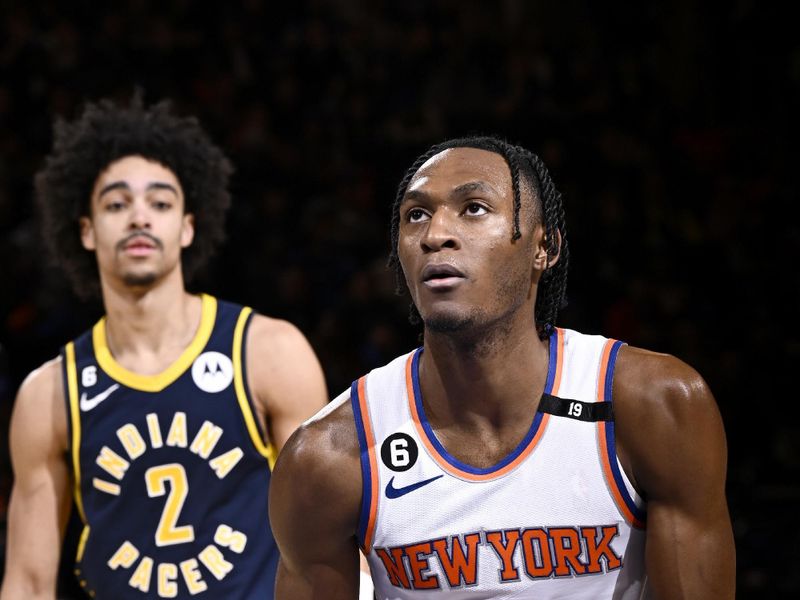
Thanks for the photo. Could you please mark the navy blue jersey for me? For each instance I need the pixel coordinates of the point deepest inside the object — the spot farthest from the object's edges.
(171, 470)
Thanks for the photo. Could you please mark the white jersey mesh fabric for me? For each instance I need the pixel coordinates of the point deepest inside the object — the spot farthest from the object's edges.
(557, 518)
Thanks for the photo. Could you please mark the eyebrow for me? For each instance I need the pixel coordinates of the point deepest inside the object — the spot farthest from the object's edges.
(472, 186)
(121, 185)
(460, 190)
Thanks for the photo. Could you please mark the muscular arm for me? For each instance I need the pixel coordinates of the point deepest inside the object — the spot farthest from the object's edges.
(40, 497)
(284, 376)
(671, 436)
(314, 501)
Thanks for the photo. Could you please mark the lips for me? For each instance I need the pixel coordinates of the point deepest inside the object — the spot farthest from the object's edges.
(139, 244)
(441, 276)
(440, 271)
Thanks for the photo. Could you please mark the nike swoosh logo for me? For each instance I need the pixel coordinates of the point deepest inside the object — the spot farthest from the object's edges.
(88, 404)
(393, 492)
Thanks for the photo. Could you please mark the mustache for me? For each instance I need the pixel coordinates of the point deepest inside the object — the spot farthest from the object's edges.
(140, 234)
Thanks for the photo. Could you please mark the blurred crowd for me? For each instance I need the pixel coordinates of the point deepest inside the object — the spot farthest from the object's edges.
(666, 128)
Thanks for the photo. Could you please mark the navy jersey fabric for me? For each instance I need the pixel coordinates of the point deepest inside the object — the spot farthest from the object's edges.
(171, 471)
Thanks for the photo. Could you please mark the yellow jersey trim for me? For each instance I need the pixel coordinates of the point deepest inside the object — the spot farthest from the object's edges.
(75, 419)
(82, 544)
(156, 383)
(266, 450)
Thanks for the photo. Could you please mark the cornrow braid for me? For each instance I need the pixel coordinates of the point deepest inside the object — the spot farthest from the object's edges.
(548, 209)
(552, 295)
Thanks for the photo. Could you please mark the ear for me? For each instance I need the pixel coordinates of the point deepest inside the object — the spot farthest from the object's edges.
(556, 254)
(87, 233)
(187, 230)
(541, 259)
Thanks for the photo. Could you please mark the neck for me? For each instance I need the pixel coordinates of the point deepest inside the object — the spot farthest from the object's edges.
(148, 327)
(496, 374)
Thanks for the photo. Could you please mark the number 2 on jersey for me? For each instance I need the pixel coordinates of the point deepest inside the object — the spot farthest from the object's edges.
(167, 532)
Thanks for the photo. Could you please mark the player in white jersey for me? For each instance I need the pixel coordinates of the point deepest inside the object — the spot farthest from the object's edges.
(505, 458)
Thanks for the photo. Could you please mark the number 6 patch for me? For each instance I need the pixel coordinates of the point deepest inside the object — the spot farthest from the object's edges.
(399, 452)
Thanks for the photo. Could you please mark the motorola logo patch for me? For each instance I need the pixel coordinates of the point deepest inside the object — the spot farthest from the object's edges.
(212, 372)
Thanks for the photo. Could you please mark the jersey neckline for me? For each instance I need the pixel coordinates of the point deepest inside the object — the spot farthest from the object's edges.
(158, 381)
(529, 442)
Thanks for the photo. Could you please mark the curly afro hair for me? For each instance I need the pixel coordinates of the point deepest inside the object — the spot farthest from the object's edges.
(104, 133)
(549, 210)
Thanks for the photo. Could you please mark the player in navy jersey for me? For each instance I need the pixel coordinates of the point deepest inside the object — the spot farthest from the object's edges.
(164, 420)
(506, 457)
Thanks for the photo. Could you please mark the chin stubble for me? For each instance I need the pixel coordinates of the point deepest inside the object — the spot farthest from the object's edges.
(139, 280)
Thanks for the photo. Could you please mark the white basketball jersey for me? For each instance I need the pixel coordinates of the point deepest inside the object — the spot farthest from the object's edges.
(556, 518)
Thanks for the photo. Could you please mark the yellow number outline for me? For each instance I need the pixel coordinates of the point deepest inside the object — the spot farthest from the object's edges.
(167, 532)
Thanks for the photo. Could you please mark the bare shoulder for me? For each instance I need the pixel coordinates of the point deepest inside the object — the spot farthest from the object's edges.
(278, 355)
(655, 388)
(47, 375)
(315, 494)
(39, 503)
(649, 382)
(667, 418)
(284, 376)
(316, 484)
(324, 450)
(671, 442)
(40, 414)
(272, 337)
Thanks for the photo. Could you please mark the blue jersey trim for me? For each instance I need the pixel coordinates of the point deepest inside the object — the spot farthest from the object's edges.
(452, 460)
(366, 471)
(552, 363)
(610, 439)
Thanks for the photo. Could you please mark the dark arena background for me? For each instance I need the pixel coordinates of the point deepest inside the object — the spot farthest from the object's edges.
(670, 130)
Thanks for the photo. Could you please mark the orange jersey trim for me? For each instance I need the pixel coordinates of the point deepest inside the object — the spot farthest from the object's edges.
(373, 463)
(604, 432)
(540, 424)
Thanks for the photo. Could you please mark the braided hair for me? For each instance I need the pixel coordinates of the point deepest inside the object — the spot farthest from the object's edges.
(548, 207)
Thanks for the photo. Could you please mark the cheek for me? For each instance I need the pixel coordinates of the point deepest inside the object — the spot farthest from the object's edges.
(405, 254)
(101, 238)
(511, 266)
(405, 267)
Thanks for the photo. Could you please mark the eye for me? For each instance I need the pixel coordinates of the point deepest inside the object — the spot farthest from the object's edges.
(475, 209)
(416, 215)
(115, 206)
(161, 205)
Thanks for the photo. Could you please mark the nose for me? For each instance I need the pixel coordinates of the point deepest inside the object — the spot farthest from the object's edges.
(441, 233)
(139, 215)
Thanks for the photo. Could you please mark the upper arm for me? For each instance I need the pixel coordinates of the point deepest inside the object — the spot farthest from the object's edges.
(315, 494)
(40, 498)
(284, 375)
(671, 432)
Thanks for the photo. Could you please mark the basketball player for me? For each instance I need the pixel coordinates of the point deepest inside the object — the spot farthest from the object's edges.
(505, 458)
(163, 420)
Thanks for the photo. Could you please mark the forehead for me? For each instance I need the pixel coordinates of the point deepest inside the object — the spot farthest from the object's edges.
(136, 170)
(456, 166)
